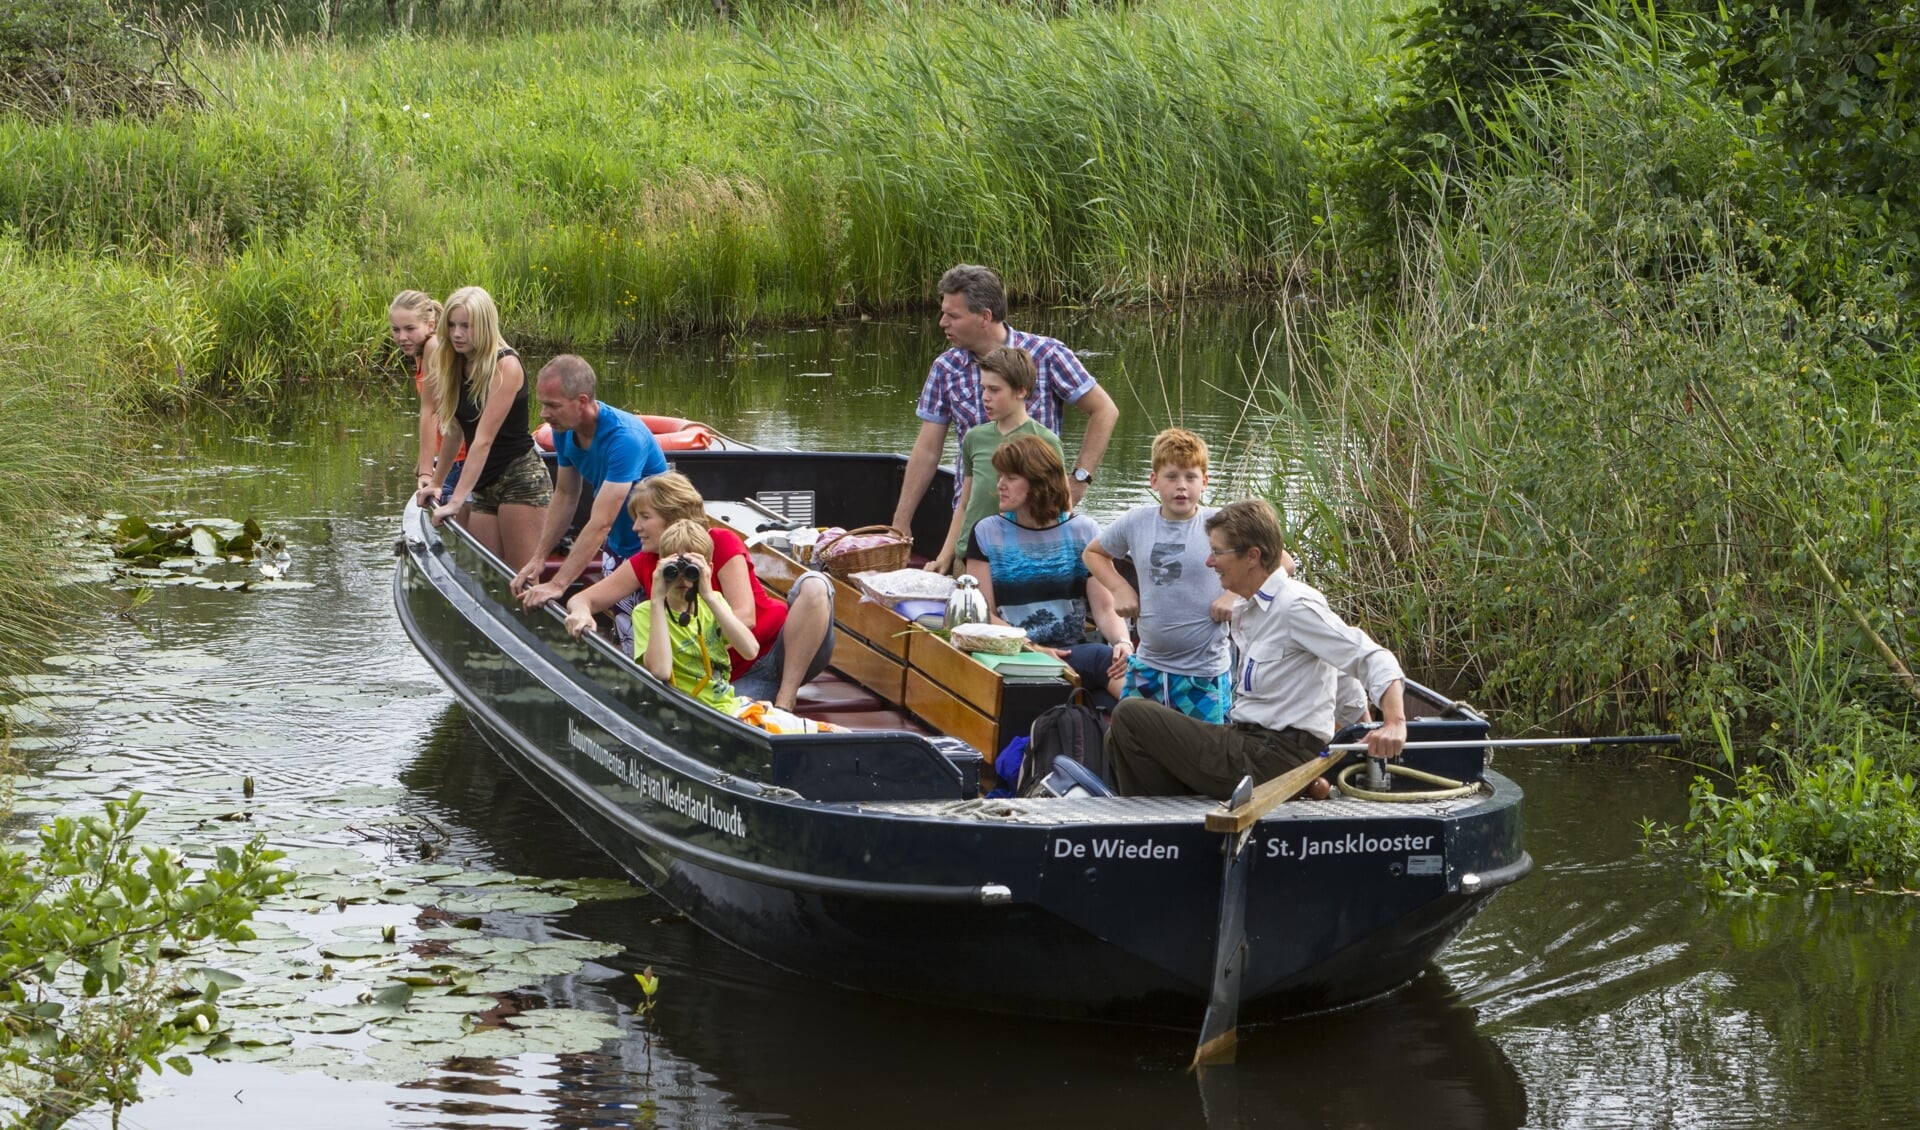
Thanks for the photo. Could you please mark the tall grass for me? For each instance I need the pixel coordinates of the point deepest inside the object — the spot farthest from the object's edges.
(667, 180)
(1599, 467)
(52, 471)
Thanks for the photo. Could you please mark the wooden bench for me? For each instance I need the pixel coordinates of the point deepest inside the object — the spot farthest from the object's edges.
(905, 665)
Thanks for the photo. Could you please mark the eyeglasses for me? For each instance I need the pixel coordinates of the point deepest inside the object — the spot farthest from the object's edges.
(1226, 552)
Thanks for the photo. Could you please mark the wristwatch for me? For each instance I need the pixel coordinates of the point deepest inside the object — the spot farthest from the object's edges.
(1082, 475)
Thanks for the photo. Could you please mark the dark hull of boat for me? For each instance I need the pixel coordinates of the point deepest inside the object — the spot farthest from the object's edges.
(1095, 908)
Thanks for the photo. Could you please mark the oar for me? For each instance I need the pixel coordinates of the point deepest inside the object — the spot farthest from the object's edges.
(1495, 743)
(1219, 1030)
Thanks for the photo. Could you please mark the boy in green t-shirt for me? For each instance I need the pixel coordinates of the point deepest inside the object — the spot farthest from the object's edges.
(1007, 377)
(683, 632)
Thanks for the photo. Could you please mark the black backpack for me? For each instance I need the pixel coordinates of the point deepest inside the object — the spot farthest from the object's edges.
(1072, 729)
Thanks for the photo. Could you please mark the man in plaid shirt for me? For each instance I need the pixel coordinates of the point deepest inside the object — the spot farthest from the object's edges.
(973, 313)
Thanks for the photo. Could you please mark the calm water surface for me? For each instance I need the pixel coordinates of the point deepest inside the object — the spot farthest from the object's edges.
(1602, 991)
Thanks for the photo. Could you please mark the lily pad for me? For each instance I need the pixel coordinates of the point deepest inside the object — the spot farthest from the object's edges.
(81, 662)
(430, 1028)
(21, 714)
(327, 1023)
(46, 684)
(427, 871)
(99, 763)
(354, 950)
(273, 945)
(593, 890)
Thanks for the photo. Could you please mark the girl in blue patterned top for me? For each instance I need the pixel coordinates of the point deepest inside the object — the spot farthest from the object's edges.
(1027, 560)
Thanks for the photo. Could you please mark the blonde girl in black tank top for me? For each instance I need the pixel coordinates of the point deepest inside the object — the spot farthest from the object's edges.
(482, 392)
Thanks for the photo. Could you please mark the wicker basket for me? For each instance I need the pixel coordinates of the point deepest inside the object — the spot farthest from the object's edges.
(845, 563)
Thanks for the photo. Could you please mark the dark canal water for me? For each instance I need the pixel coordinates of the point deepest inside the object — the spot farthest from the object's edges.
(1602, 991)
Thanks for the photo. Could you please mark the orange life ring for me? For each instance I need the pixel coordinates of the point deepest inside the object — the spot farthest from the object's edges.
(675, 434)
(671, 432)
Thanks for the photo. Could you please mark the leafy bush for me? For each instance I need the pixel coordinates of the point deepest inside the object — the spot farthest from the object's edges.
(86, 987)
(1844, 815)
(78, 58)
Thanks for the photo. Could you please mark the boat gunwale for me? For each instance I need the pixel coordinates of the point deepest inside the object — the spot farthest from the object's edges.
(1498, 791)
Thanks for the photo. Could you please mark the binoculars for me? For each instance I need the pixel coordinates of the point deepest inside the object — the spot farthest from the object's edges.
(679, 567)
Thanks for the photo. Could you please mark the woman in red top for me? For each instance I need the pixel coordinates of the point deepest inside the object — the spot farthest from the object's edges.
(795, 635)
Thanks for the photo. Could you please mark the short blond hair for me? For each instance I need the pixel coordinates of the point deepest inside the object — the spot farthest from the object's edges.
(685, 536)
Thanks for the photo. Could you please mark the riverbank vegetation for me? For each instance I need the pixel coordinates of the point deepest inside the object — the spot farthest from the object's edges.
(1609, 306)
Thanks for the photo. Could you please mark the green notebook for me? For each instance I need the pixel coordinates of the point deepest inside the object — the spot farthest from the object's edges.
(1023, 664)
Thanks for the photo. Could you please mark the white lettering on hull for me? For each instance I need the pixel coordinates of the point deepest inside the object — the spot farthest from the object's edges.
(1353, 843)
(1110, 848)
(660, 788)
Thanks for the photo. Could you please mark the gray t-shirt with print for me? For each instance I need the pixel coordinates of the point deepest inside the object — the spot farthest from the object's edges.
(1177, 633)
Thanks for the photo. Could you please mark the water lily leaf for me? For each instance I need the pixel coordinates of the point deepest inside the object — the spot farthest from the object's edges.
(537, 965)
(81, 662)
(371, 796)
(394, 996)
(373, 1071)
(272, 945)
(201, 976)
(96, 763)
(431, 1028)
(47, 684)
(563, 1017)
(250, 1053)
(321, 1023)
(427, 871)
(443, 1002)
(565, 1041)
(492, 1043)
(274, 584)
(593, 890)
(487, 879)
(532, 902)
(327, 861)
(356, 950)
(205, 542)
(22, 714)
(363, 930)
(130, 527)
(61, 701)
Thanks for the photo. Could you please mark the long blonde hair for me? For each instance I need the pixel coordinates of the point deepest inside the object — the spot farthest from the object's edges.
(450, 369)
(672, 496)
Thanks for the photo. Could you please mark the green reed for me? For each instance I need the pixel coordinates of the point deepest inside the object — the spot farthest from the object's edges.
(669, 179)
(1597, 465)
(53, 471)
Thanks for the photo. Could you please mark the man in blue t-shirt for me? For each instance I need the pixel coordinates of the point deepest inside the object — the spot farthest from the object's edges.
(601, 446)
